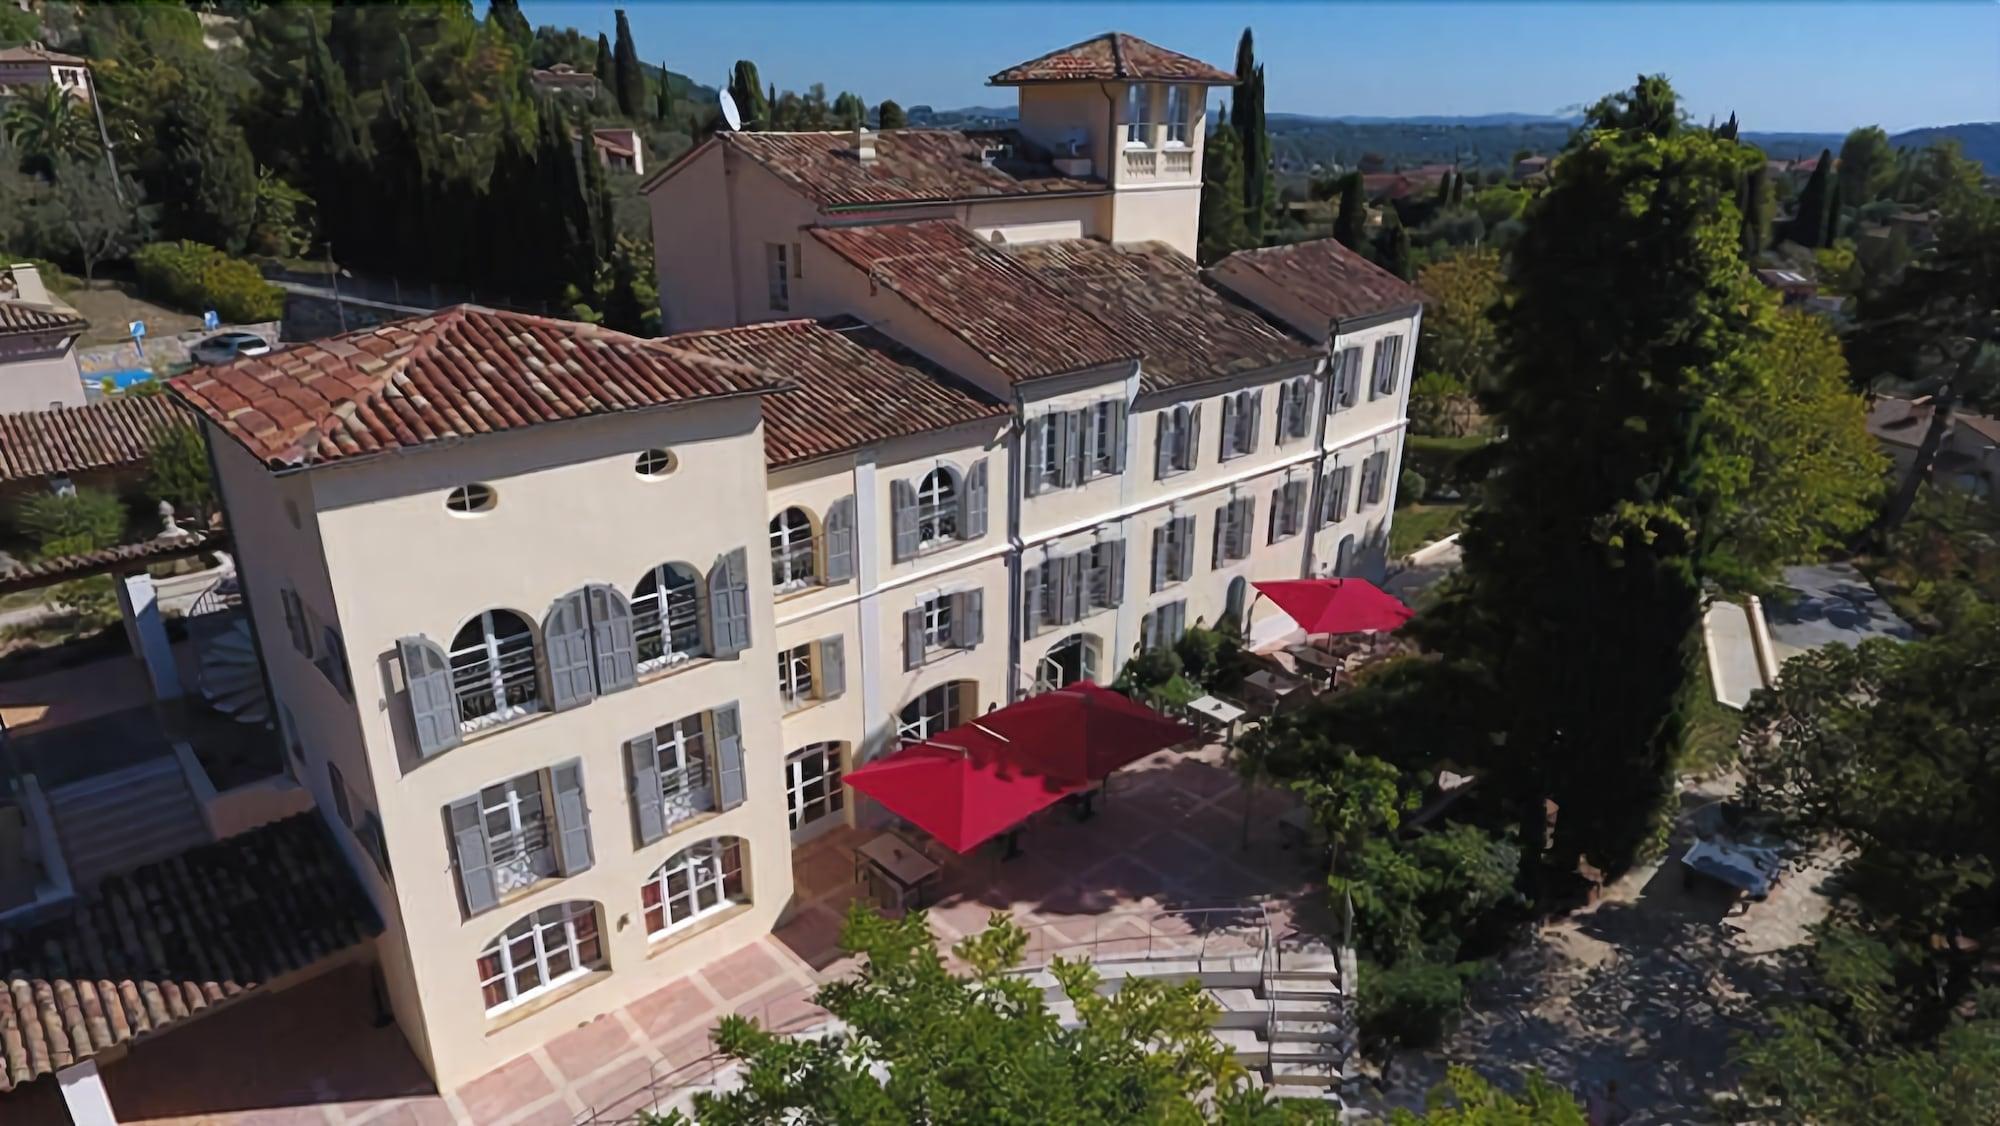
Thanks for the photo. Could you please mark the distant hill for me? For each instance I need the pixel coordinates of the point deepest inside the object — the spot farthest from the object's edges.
(1424, 119)
(1980, 139)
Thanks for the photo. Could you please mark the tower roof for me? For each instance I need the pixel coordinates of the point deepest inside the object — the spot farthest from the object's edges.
(1113, 56)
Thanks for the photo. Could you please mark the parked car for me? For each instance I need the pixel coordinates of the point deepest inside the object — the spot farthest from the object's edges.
(227, 346)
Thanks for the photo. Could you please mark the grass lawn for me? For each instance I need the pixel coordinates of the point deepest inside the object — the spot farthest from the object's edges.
(1418, 524)
(1712, 729)
(111, 306)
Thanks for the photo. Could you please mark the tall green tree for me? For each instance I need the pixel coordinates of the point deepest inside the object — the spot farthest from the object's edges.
(47, 127)
(1460, 339)
(749, 95)
(1393, 246)
(1350, 225)
(1253, 143)
(1600, 503)
(1758, 203)
(1221, 229)
(849, 111)
(88, 218)
(890, 115)
(1809, 223)
(177, 472)
(663, 97)
(335, 142)
(1867, 163)
(629, 76)
(206, 180)
(605, 69)
(506, 16)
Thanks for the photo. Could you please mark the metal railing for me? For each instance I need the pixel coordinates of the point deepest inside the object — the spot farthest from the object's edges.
(1209, 931)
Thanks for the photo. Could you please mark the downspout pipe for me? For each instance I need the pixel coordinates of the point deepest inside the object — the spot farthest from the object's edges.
(1329, 364)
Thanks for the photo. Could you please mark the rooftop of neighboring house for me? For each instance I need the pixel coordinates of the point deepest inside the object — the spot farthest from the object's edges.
(1328, 278)
(1785, 279)
(910, 166)
(563, 74)
(1113, 56)
(622, 142)
(107, 434)
(20, 317)
(1155, 297)
(168, 941)
(36, 53)
(1902, 422)
(853, 386)
(1023, 326)
(453, 374)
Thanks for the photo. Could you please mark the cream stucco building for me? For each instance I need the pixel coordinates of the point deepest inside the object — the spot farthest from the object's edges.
(573, 635)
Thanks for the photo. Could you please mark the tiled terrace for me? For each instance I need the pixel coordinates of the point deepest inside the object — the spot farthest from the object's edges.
(1167, 838)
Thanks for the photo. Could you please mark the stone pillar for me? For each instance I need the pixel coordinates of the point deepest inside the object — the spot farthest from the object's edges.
(83, 1091)
(140, 607)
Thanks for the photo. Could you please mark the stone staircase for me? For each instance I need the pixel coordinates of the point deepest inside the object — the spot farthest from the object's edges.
(113, 822)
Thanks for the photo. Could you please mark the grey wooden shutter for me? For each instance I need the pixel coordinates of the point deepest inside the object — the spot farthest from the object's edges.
(729, 604)
(1375, 381)
(643, 758)
(1079, 585)
(1031, 601)
(1284, 411)
(1165, 440)
(1115, 588)
(1378, 479)
(1159, 557)
(968, 618)
(832, 668)
(972, 503)
(1031, 475)
(1176, 621)
(566, 645)
(913, 637)
(572, 817)
(840, 540)
(1185, 536)
(1221, 539)
(1229, 409)
(1096, 577)
(903, 519)
(1192, 442)
(1075, 424)
(1088, 440)
(727, 725)
(1146, 623)
(1276, 530)
(611, 639)
(1118, 436)
(433, 705)
(1253, 427)
(475, 863)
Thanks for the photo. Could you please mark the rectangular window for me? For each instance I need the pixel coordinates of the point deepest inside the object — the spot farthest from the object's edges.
(1375, 469)
(777, 263)
(1333, 506)
(812, 785)
(939, 709)
(1105, 558)
(1179, 121)
(795, 677)
(1100, 417)
(1138, 116)
(1346, 379)
(515, 817)
(1388, 363)
(937, 621)
(680, 752)
(1175, 549)
(1048, 455)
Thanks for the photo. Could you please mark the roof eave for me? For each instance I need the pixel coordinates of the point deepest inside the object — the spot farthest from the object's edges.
(945, 201)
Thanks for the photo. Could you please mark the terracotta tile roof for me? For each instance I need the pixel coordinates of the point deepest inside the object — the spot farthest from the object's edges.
(161, 944)
(1155, 296)
(854, 386)
(910, 166)
(1330, 279)
(1109, 57)
(18, 318)
(455, 373)
(1016, 321)
(100, 435)
(34, 53)
(106, 560)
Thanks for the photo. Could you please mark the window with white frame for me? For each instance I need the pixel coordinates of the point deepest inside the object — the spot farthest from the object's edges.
(1346, 379)
(793, 566)
(937, 507)
(812, 784)
(1047, 454)
(1102, 419)
(1178, 441)
(1239, 424)
(1343, 557)
(1138, 116)
(493, 670)
(1388, 365)
(666, 616)
(1100, 573)
(543, 951)
(1333, 501)
(795, 676)
(777, 265)
(1180, 122)
(937, 621)
(515, 819)
(680, 751)
(1068, 661)
(695, 882)
(940, 709)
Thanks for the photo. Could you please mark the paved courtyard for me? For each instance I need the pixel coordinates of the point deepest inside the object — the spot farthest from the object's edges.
(1165, 842)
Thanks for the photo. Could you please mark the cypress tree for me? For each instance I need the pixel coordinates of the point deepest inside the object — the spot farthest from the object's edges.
(565, 204)
(338, 151)
(208, 179)
(1756, 207)
(506, 16)
(1350, 226)
(849, 110)
(891, 116)
(1832, 233)
(1393, 244)
(663, 95)
(1808, 225)
(1252, 141)
(597, 201)
(1728, 130)
(1221, 228)
(1458, 189)
(631, 77)
(1444, 191)
(748, 93)
(606, 70)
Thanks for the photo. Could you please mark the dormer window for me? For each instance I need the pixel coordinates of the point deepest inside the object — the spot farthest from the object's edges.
(1179, 121)
(1138, 116)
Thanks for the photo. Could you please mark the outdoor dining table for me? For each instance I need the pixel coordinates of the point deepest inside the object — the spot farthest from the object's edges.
(901, 863)
(1279, 690)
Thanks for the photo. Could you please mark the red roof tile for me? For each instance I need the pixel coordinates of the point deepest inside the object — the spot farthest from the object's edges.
(1328, 278)
(853, 386)
(163, 943)
(100, 435)
(910, 166)
(122, 558)
(456, 373)
(18, 318)
(1109, 57)
(1016, 321)
(1155, 296)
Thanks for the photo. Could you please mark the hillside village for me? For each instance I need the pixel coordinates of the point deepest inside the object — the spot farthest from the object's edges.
(534, 589)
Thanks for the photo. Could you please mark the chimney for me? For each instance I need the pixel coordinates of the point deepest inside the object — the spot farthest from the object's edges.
(864, 144)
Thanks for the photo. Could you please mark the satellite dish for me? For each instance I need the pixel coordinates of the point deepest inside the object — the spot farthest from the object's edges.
(730, 113)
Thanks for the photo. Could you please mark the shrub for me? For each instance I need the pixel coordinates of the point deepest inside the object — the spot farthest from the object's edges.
(69, 523)
(1411, 1004)
(1150, 669)
(1411, 487)
(178, 474)
(196, 278)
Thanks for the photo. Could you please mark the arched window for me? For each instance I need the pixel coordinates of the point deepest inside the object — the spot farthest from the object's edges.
(540, 952)
(814, 796)
(939, 709)
(937, 507)
(1343, 557)
(1239, 598)
(666, 616)
(695, 882)
(493, 669)
(792, 563)
(1074, 658)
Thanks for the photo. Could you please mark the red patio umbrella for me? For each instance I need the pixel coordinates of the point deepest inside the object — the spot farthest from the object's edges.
(1082, 731)
(1336, 605)
(963, 798)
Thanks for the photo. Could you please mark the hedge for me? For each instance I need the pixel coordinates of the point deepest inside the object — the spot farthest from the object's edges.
(195, 278)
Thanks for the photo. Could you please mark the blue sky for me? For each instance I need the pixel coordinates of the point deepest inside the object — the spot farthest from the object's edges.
(1791, 66)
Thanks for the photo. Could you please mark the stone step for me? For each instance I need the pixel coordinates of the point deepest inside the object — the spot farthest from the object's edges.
(116, 822)
(1309, 1032)
(1295, 1073)
(116, 781)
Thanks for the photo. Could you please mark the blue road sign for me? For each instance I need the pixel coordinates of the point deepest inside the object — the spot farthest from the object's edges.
(210, 321)
(138, 330)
